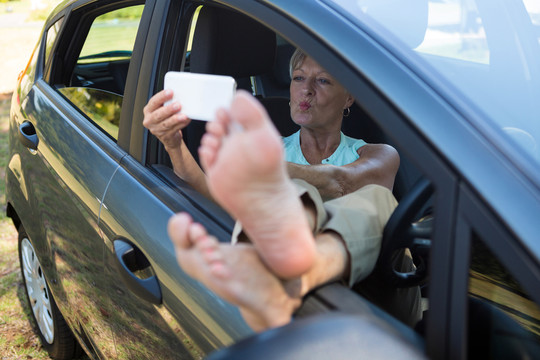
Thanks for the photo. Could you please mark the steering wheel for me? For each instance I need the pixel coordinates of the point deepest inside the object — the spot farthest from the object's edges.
(403, 230)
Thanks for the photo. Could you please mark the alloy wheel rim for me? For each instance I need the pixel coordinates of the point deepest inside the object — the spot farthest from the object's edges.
(36, 288)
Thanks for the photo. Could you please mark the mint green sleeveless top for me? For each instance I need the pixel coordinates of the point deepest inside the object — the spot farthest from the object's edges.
(346, 153)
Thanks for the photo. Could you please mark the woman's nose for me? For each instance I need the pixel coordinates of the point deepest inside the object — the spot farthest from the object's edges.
(308, 88)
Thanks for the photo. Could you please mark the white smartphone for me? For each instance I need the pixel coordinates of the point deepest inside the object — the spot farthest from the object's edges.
(200, 95)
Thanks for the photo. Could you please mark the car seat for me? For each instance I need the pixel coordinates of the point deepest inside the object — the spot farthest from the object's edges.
(226, 42)
(277, 82)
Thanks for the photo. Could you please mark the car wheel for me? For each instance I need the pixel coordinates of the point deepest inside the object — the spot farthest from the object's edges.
(56, 337)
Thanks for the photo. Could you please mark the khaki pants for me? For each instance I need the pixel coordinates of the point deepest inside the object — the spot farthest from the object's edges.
(359, 218)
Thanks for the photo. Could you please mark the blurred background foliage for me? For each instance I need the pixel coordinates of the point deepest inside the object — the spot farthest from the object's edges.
(40, 9)
(37, 10)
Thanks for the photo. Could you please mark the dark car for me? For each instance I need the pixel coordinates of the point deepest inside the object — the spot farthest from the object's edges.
(453, 85)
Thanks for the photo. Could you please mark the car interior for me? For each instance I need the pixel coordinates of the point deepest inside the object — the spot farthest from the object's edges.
(230, 43)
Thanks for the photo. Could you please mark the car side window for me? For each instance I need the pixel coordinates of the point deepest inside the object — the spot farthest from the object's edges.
(503, 319)
(96, 84)
(52, 34)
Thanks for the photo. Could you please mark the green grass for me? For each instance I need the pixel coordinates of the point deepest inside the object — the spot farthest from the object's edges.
(4, 118)
(114, 31)
(18, 339)
(110, 38)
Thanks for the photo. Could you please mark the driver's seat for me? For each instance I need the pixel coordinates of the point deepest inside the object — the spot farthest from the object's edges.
(229, 43)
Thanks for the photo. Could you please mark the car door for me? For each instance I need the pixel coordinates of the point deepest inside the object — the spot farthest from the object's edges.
(76, 111)
(67, 177)
(154, 308)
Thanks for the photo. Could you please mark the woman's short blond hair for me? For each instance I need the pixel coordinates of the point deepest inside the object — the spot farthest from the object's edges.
(296, 61)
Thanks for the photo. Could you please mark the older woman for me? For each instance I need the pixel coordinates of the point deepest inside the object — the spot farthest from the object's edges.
(318, 153)
(318, 104)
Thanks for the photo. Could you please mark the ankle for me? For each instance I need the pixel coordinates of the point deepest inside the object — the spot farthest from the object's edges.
(331, 262)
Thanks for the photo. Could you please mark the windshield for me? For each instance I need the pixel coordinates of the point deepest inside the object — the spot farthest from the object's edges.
(488, 49)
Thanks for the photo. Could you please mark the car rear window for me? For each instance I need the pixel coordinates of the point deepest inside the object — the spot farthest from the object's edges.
(96, 84)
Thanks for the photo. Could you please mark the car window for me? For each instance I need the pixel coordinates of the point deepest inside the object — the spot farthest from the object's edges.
(52, 33)
(489, 53)
(497, 61)
(533, 9)
(502, 315)
(111, 36)
(96, 84)
(101, 106)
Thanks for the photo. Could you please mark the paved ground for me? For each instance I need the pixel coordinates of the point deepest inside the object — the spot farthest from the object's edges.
(17, 40)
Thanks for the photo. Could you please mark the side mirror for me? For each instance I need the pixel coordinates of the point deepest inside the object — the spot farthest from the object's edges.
(328, 336)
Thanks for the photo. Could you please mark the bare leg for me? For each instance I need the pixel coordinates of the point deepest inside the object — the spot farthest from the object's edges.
(242, 155)
(236, 273)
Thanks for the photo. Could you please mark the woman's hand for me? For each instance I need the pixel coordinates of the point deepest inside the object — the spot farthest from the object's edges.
(377, 164)
(165, 121)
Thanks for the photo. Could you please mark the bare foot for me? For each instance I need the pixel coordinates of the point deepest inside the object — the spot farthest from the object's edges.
(242, 154)
(235, 273)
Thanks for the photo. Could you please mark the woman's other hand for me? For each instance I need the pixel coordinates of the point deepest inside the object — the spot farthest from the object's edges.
(165, 120)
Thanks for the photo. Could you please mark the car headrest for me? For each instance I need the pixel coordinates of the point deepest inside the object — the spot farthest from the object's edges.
(281, 67)
(229, 43)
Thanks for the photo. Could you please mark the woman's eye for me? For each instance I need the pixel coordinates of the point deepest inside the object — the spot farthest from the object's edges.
(324, 81)
(297, 78)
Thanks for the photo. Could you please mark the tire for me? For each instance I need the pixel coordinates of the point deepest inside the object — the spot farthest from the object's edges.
(56, 336)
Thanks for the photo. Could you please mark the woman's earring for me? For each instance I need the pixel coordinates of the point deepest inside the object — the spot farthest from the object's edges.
(289, 104)
(347, 112)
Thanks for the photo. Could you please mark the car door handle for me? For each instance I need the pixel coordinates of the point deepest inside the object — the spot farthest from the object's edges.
(27, 135)
(129, 260)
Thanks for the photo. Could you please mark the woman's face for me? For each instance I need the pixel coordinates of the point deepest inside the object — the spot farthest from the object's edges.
(317, 99)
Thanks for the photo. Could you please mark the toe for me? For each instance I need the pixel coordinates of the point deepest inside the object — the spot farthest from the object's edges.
(178, 230)
(197, 233)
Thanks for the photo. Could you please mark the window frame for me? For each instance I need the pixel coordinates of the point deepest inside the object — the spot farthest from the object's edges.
(169, 58)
